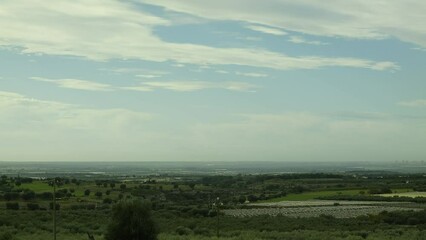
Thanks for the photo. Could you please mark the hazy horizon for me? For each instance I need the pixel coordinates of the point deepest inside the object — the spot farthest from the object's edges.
(195, 81)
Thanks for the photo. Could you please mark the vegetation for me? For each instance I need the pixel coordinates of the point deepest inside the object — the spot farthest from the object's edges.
(131, 220)
(181, 207)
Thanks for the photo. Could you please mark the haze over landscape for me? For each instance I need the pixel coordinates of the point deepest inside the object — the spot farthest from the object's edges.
(219, 80)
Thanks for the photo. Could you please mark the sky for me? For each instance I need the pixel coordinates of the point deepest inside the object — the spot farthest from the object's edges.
(241, 80)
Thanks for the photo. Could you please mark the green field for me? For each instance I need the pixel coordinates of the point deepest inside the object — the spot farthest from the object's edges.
(316, 194)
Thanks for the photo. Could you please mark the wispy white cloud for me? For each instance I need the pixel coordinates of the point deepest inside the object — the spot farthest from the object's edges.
(148, 86)
(363, 19)
(301, 40)
(419, 49)
(138, 72)
(76, 84)
(222, 71)
(414, 103)
(103, 30)
(148, 76)
(252, 74)
(190, 86)
(267, 30)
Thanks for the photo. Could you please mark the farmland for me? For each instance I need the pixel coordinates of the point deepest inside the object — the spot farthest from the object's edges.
(316, 208)
(185, 206)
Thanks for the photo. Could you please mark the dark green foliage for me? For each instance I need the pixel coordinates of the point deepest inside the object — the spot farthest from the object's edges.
(131, 220)
(98, 194)
(58, 206)
(9, 196)
(33, 206)
(83, 207)
(28, 195)
(12, 205)
(45, 196)
(6, 236)
(86, 192)
(183, 230)
(380, 190)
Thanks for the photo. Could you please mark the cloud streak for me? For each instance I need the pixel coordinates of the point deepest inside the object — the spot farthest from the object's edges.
(361, 19)
(414, 103)
(301, 40)
(104, 30)
(77, 84)
(190, 86)
(267, 30)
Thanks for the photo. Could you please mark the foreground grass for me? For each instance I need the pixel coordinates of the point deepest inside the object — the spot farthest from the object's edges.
(414, 234)
(305, 234)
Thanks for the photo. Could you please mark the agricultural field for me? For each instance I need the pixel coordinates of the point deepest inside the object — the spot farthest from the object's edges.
(306, 212)
(316, 208)
(203, 206)
(405, 194)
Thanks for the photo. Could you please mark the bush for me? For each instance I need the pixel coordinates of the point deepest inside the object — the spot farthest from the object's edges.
(131, 220)
(6, 236)
(33, 206)
(57, 206)
(12, 205)
(45, 195)
(183, 231)
(98, 194)
(86, 192)
(28, 195)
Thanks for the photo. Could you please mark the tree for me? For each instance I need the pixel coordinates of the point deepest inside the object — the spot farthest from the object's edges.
(131, 220)
(86, 192)
(28, 195)
(98, 194)
(12, 205)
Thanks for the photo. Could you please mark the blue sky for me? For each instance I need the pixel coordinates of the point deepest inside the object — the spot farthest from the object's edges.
(163, 80)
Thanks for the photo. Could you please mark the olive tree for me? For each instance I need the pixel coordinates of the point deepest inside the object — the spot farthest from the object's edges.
(131, 220)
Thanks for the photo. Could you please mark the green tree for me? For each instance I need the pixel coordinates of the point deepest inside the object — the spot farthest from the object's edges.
(86, 192)
(131, 220)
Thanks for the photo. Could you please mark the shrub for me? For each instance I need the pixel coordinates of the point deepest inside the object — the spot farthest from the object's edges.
(28, 195)
(98, 194)
(86, 192)
(131, 220)
(183, 230)
(12, 205)
(57, 206)
(33, 206)
(6, 236)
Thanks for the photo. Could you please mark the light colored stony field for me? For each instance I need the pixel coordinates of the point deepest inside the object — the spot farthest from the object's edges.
(405, 194)
(335, 211)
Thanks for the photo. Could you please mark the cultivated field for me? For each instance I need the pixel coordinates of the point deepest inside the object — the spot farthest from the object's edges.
(405, 194)
(305, 212)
